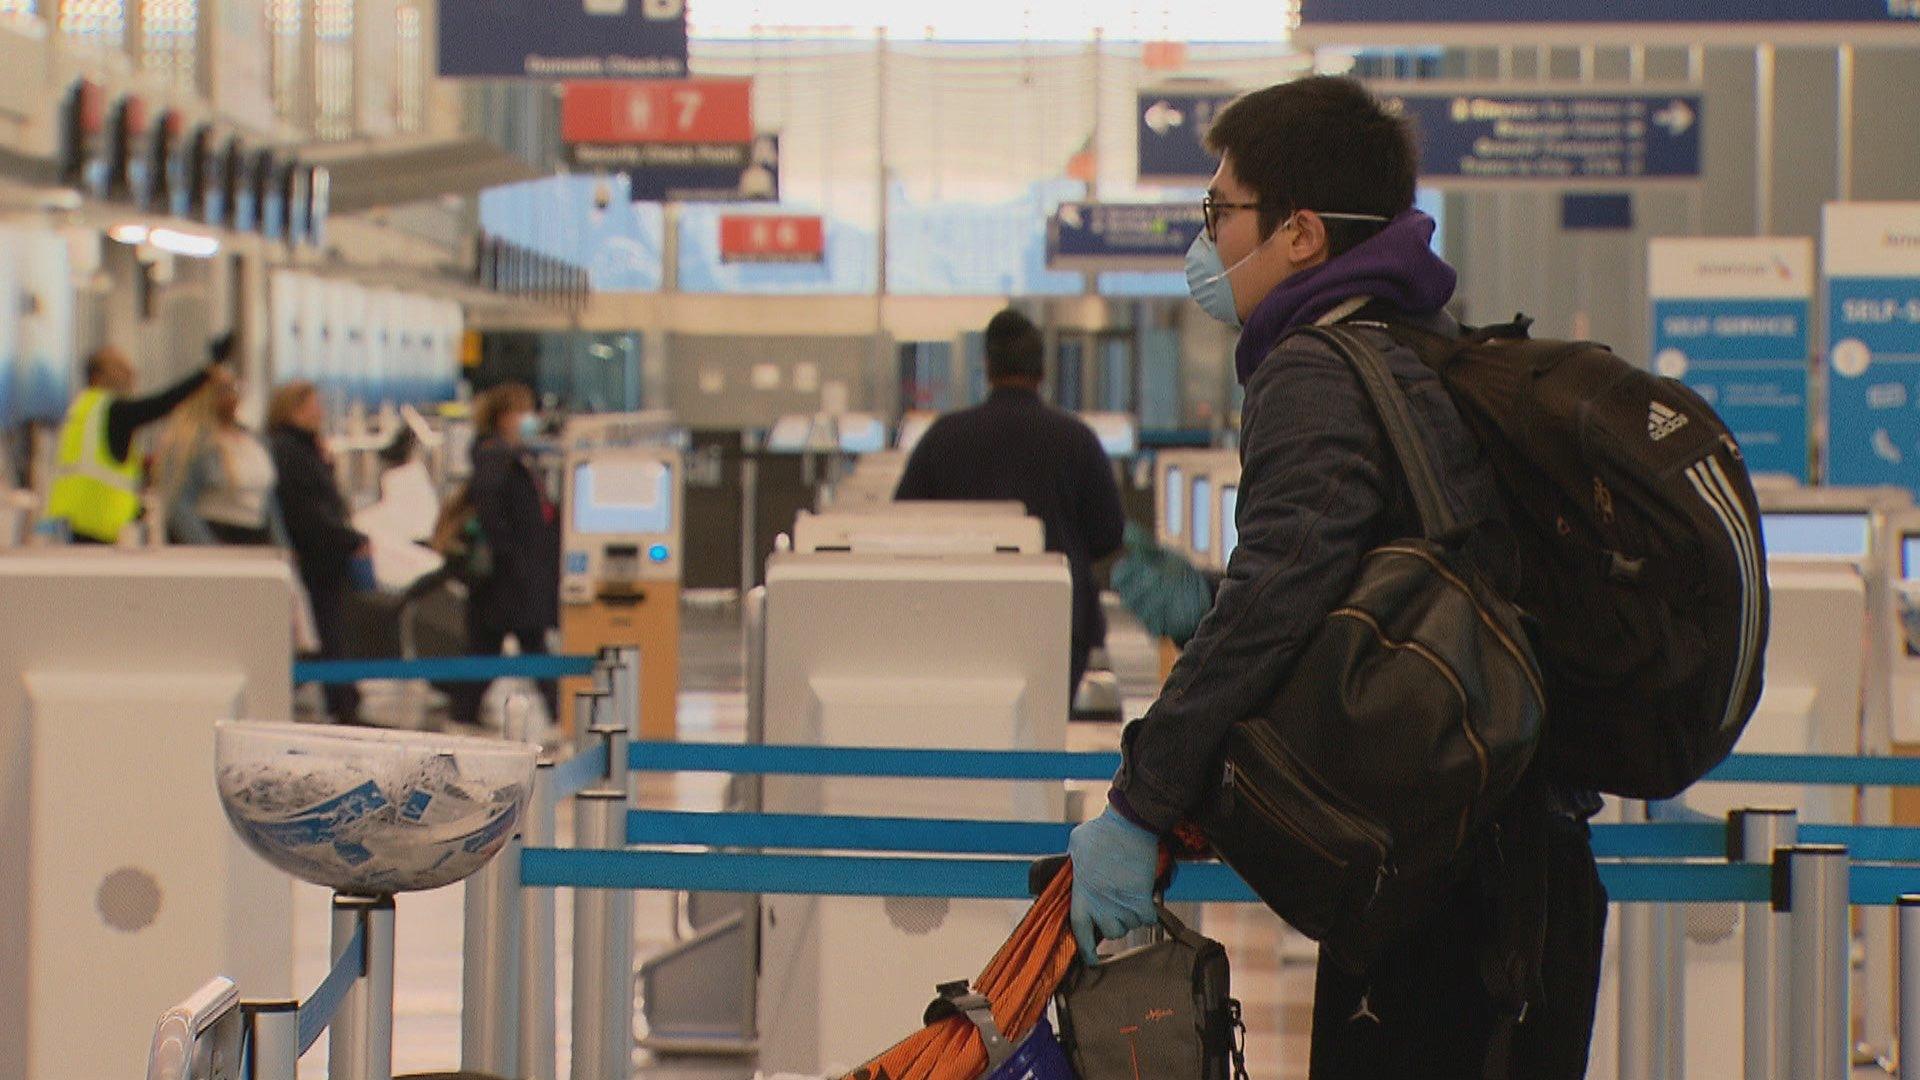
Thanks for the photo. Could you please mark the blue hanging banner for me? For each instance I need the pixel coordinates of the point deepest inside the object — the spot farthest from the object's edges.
(1483, 134)
(563, 39)
(1122, 236)
(1732, 320)
(1172, 129)
(1872, 261)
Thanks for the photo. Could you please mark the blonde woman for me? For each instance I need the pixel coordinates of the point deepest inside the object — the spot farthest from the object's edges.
(215, 477)
(325, 543)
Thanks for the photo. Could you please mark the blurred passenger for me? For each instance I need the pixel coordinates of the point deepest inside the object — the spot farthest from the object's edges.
(325, 543)
(518, 592)
(215, 477)
(1016, 446)
(96, 477)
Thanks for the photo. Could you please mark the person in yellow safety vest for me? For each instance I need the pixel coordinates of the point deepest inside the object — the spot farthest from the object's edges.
(96, 478)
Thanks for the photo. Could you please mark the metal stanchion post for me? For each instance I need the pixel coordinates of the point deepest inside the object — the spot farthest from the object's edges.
(537, 1033)
(602, 949)
(1753, 836)
(490, 982)
(273, 1039)
(1909, 987)
(1816, 896)
(360, 1040)
(1638, 1004)
(1640, 935)
(1670, 971)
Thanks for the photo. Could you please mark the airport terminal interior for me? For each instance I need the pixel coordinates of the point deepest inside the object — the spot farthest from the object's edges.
(466, 609)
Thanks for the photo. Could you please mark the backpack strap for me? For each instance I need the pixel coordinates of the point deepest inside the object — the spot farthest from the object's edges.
(1396, 417)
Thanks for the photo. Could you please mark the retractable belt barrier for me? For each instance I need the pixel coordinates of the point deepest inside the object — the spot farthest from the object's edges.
(444, 669)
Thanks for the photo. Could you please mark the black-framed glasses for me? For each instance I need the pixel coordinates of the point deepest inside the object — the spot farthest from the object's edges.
(1210, 208)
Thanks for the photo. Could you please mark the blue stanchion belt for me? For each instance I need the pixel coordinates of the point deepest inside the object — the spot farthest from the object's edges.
(579, 772)
(1800, 769)
(317, 1011)
(448, 669)
(1006, 879)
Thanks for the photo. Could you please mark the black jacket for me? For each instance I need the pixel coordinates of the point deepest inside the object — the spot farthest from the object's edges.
(523, 534)
(1319, 488)
(1015, 446)
(319, 524)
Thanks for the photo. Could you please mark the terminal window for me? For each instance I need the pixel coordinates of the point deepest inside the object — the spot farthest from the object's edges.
(622, 498)
(1202, 514)
(1229, 526)
(1176, 496)
(1819, 536)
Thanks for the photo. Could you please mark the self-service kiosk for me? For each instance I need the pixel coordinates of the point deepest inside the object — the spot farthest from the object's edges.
(620, 570)
(1831, 560)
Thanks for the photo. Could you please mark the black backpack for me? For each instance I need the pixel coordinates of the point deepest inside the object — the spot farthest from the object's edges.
(1363, 791)
(1640, 552)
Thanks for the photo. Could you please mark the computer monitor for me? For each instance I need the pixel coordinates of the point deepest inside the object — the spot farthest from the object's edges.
(862, 434)
(1229, 526)
(1176, 500)
(1824, 535)
(1202, 515)
(619, 497)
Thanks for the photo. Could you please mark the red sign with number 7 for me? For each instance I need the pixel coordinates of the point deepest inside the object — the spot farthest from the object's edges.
(658, 111)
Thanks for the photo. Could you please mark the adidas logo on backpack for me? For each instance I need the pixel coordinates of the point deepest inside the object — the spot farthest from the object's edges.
(1663, 421)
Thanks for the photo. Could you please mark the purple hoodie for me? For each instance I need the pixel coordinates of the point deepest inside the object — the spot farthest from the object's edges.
(1396, 266)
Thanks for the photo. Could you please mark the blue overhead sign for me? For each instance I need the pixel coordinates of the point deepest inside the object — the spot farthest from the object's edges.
(1873, 343)
(1172, 130)
(1444, 12)
(1583, 138)
(563, 39)
(693, 172)
(1122, 236)
(1732, 319)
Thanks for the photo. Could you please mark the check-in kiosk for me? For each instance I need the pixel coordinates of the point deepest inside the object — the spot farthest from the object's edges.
(120, 882)
(1832, 555)
(960, 645)
(620, 570)
(1212, 502)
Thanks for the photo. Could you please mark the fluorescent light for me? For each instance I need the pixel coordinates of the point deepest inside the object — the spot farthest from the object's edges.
(191, 245)
(129, 233)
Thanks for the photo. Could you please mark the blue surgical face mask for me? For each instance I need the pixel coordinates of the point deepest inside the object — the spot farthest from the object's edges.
(529, 426)
(1211, 283)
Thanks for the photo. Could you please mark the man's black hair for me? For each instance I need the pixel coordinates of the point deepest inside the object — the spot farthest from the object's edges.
(1015, 349)
(1320, 143)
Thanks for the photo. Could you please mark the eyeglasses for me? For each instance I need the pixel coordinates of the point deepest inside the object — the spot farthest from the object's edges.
(1210, 208)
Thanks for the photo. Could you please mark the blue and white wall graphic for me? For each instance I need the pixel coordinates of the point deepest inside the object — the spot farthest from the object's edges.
(1732, 319)
(1872, 259)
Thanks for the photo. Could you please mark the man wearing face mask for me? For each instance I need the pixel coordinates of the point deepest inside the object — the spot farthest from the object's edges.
(1310, 220)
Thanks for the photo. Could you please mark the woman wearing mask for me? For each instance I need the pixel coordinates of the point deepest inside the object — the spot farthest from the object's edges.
(324, 541)
(519, 596)
(217, 478)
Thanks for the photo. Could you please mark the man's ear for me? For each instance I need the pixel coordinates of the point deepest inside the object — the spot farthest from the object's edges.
(1307, 246)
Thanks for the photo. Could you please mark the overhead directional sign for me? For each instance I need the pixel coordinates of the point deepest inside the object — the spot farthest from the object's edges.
(698, 172)
(1872, 265)
(1122, 236)
(663, 111)
(563, 39)
(1172, 135)
(773, 239)
(1482, 135)
(1471, 22)
(1732, 319)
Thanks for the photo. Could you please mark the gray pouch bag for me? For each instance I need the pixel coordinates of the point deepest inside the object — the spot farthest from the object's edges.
(1159, 1012)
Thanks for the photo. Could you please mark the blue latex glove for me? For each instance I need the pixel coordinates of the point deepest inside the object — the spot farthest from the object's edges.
(1114, 865)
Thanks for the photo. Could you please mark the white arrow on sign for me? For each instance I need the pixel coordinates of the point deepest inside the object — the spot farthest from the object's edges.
(1162, 117)
(1677, 118)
